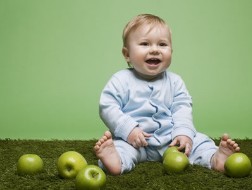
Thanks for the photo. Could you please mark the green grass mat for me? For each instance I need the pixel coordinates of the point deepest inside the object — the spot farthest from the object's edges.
(148, 175)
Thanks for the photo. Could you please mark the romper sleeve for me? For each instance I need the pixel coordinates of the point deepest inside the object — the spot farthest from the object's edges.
(112, 100)
(181, 109)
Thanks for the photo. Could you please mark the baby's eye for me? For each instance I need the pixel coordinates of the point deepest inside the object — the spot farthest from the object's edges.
(144, 43)
(163, 44)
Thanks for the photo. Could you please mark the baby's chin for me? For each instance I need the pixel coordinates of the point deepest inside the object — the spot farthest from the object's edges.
(150, 76)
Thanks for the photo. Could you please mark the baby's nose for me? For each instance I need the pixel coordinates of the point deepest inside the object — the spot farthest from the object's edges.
(154, 50)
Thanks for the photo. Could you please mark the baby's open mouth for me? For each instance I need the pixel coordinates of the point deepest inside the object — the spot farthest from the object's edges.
(153, 61)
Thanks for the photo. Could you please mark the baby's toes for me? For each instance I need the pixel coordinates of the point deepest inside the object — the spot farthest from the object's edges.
(232, 143)
(96, 147)
(105, 138)
(236, 147)
(101, 140)
(98, 143)
(107, 134)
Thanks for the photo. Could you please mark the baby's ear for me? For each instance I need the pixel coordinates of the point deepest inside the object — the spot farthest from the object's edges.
(125, 53)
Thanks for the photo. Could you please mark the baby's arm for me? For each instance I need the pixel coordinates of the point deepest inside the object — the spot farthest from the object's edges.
(183, 130)
(112, 100)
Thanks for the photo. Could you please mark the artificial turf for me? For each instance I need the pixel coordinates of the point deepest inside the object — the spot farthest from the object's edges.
(147, 176)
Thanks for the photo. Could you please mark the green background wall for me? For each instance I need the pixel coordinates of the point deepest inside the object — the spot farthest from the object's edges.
(57, 55)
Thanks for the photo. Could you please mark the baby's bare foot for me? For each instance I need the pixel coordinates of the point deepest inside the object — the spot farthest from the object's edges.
(105, 150)
(226, 148)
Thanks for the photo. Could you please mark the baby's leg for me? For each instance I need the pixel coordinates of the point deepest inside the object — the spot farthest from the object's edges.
(105, 150)
(226, 148)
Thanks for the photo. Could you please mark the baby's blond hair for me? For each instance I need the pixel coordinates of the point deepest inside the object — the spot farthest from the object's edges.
(142, 19)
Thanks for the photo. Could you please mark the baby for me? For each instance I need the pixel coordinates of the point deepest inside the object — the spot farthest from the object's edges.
(148, 108)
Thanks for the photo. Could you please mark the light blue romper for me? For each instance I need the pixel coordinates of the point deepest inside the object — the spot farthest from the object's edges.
(161, 107)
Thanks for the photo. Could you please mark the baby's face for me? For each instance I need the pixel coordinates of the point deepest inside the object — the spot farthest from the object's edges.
(149, 50)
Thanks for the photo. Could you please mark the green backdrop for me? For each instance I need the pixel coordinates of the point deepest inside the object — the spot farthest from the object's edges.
(57, 55)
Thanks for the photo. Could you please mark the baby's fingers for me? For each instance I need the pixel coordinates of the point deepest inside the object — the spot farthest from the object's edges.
(146, 135)
(142, 140)
(174, 143)
(188, 149)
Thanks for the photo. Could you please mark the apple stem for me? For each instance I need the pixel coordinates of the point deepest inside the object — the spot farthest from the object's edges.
(95, 174)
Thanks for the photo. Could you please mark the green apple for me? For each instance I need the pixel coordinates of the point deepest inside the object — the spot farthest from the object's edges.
(175, 162)
(90, 178)
(29, 164)
(70, 163)
(237, 165)
(170, 149)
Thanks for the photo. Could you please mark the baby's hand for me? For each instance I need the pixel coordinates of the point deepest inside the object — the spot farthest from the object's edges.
(184, 142)
(137, 138)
